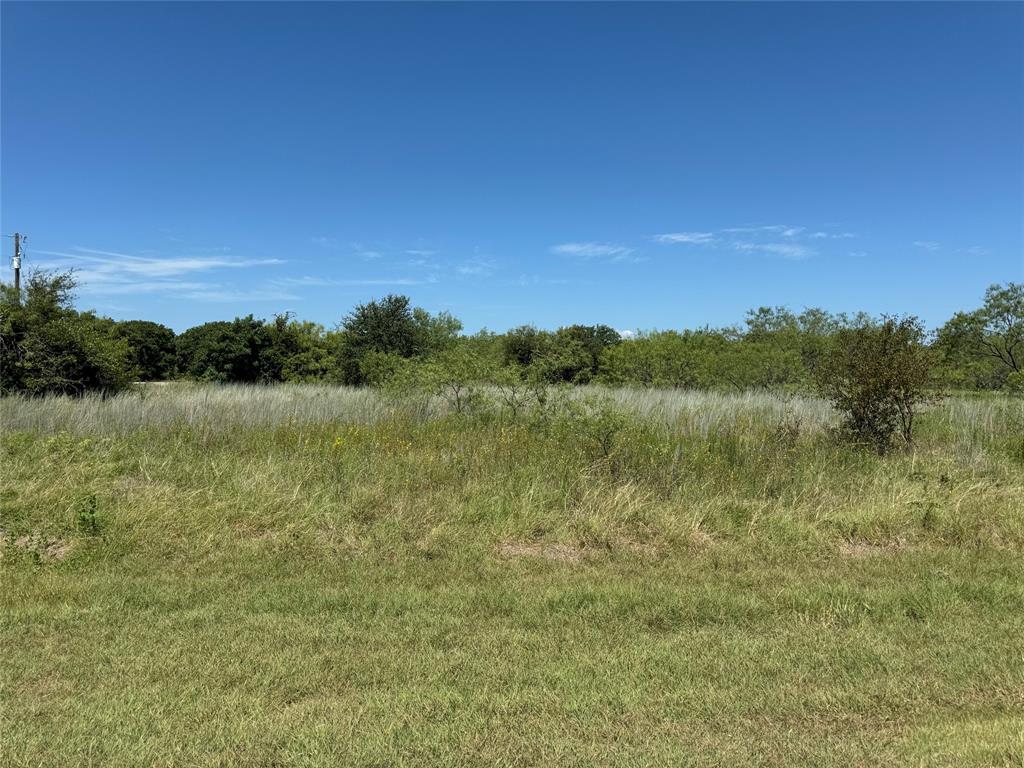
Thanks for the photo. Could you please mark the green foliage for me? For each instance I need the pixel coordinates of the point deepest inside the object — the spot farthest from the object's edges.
(390, 342)
(389, 326)
(981, 348)
(87, 514)
(664, 359)
(152, 348)
(457, 375)
(225, 351)
(581, 347)
(520, 345)
(877, 377)
(47, 347)
(379, 369)
(298, 351)
(435, 333)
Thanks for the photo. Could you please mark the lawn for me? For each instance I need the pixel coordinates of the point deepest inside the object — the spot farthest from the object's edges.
(307, 576)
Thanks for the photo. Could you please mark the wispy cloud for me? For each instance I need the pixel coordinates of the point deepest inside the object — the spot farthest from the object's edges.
(476, 267)
(928, 245)
(420, 252)
(786, 240)
(590, 250)
(225, 295)
(324, 282)
(696, 238)
(831, 235)
(365, 253)
(151, 266)
(100, 272)
(976, 250)
(786, 250)
(773, 228)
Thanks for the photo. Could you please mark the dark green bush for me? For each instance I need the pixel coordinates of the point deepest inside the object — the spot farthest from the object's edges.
(48, 347)
(878, 376)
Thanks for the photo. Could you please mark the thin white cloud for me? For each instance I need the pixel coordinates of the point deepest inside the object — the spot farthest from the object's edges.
(776, 228)
(826, 235)
(151, 266)
(590, 250)
(525, 280)
(976, 250)
(695, 238)
(786, 250)
(476, 267)
(323, 282)
(92, 284)
(928, 245)
(420, 252)
(99, 272)
(228, 295)
(365, 253)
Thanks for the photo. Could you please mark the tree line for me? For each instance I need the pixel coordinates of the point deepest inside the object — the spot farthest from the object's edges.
(47, 347)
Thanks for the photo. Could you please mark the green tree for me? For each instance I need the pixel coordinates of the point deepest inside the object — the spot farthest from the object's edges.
(435, 333)
(458, 375)
(228, 351)
(878, 376)
(152, 348)
(388, 326)
(593, 340)
(47, 347)
(521, 345)
(986, 345)
(666, 359)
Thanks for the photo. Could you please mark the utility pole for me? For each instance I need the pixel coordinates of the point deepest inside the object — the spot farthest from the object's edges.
(16, 263)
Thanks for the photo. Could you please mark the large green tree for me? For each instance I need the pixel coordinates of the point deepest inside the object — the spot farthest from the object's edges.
(985, 346)
(48, 347)
(389, 327)
(227, 351)
(152, 348)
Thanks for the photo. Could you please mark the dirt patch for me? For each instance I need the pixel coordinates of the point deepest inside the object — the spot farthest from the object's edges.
(700, 540)
(858, 549)
(42, 547)
(563, 553)
(645, 549)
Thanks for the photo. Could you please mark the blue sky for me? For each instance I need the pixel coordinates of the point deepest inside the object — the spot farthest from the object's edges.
(640, 165)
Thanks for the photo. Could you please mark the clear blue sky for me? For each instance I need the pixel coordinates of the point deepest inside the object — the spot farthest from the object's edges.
(645, 166)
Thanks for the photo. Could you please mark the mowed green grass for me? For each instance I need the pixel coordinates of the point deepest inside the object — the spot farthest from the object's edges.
(589, 589)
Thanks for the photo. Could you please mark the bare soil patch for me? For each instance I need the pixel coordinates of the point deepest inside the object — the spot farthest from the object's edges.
(858, 549)
(558, 552)
(46, 548)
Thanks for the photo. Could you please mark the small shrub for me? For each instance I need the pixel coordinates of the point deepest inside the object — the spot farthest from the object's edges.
(87, 515)
(878, 376)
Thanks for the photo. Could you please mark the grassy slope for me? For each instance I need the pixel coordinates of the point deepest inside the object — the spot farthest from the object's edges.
(477, 592)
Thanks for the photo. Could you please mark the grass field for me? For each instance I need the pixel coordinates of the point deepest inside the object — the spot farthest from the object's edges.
(309, 576)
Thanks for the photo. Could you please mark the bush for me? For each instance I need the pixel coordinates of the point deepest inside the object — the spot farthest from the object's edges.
(878, 376)
(225, 351)
(47, 347)
(392, 327)
(151, 346)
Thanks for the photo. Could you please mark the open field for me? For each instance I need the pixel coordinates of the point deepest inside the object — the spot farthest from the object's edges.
(314, 576)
